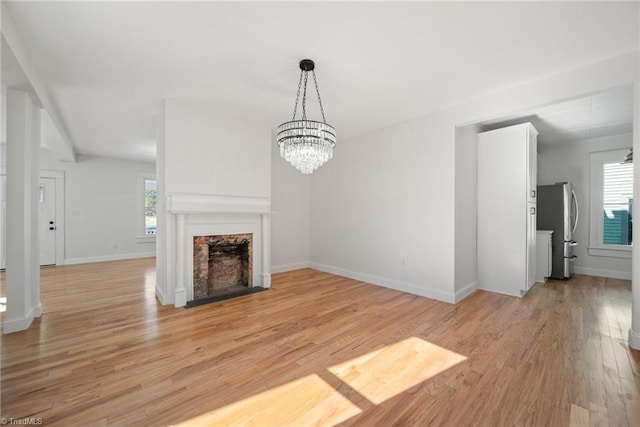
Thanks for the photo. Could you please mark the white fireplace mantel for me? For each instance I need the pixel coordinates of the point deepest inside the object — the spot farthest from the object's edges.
(199, 203)
(192, 210)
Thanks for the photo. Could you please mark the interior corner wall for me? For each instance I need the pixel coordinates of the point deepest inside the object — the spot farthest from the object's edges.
(101, 208)
(290, 201)
(466, 251)
(381, 209)
(571, 162)
(384, 209)
(164, 251)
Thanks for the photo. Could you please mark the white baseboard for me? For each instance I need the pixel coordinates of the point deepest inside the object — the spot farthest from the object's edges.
(104, 258)
(290, 267)
(466, 291)
(37, 310)
(20, 323)
(603, 273)
(634, 339)
(179, 298)
(265, 279)
(387, 283)
(161, 296)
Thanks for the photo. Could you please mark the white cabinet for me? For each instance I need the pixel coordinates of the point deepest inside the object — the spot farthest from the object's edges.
(507, 179)
(543, 255)
(532, 167)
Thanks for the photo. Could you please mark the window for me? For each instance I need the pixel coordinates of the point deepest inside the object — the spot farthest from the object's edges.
(611, 210)
(617, 201)
(150, 217)
(147, 203)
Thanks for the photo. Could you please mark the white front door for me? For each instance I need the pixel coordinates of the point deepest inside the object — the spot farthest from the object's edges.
(47, 221)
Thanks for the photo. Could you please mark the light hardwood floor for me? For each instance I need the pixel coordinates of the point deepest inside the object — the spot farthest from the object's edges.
(319, 349)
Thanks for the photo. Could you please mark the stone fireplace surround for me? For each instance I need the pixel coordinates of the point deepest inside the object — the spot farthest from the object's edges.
(209, 215)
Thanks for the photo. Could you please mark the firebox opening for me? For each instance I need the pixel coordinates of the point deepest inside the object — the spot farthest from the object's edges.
(228, 266)
(222, 264)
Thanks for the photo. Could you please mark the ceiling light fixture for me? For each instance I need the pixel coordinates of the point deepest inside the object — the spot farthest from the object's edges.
(306, 144)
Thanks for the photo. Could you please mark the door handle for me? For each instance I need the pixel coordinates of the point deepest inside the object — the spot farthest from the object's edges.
(52, 228)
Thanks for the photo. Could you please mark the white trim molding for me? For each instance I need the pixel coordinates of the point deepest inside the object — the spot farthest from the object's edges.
(105, 258)
(468, 290)
(198, 214)
(199, 203)
(18, 324)
(386, 283)
(611, 274)
(611, 252)
(596, 246)
(290, 267)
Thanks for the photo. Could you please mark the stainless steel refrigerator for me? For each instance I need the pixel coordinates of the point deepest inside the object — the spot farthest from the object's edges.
(558, 211)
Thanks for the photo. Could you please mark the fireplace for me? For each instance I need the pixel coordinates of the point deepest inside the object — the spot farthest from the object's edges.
(195, 221)
(222, 264)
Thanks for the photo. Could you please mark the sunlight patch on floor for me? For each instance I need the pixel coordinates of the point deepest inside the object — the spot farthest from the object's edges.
(306, 401)
(384, 373)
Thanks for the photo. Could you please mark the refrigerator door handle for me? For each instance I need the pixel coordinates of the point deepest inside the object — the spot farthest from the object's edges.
(574, 199)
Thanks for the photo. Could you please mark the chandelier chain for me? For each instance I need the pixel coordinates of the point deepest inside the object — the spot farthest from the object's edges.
(295, 107)
(304, 96)
(319, 99)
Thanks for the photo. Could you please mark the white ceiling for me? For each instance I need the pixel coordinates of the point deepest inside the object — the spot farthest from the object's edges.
(592, 116)
(108, 65)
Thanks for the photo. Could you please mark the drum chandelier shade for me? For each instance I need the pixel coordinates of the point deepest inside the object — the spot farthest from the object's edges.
(306, 144)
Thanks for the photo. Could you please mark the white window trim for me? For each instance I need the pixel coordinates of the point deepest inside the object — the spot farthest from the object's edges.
(596, 247)
(142, 237)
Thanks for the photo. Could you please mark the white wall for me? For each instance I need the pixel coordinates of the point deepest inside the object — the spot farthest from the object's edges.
(466, 250)
(381, 209)
(571, 162)
(101, 208)
(290, 215)
(210, 152)
(390, 196)
(23, 159)
(205, 152)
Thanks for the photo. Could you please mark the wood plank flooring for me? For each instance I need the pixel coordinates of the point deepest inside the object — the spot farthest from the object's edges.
(319, 349)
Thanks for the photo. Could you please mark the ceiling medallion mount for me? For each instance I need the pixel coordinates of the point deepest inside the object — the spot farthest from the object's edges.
(307, 65)
(306, 144)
